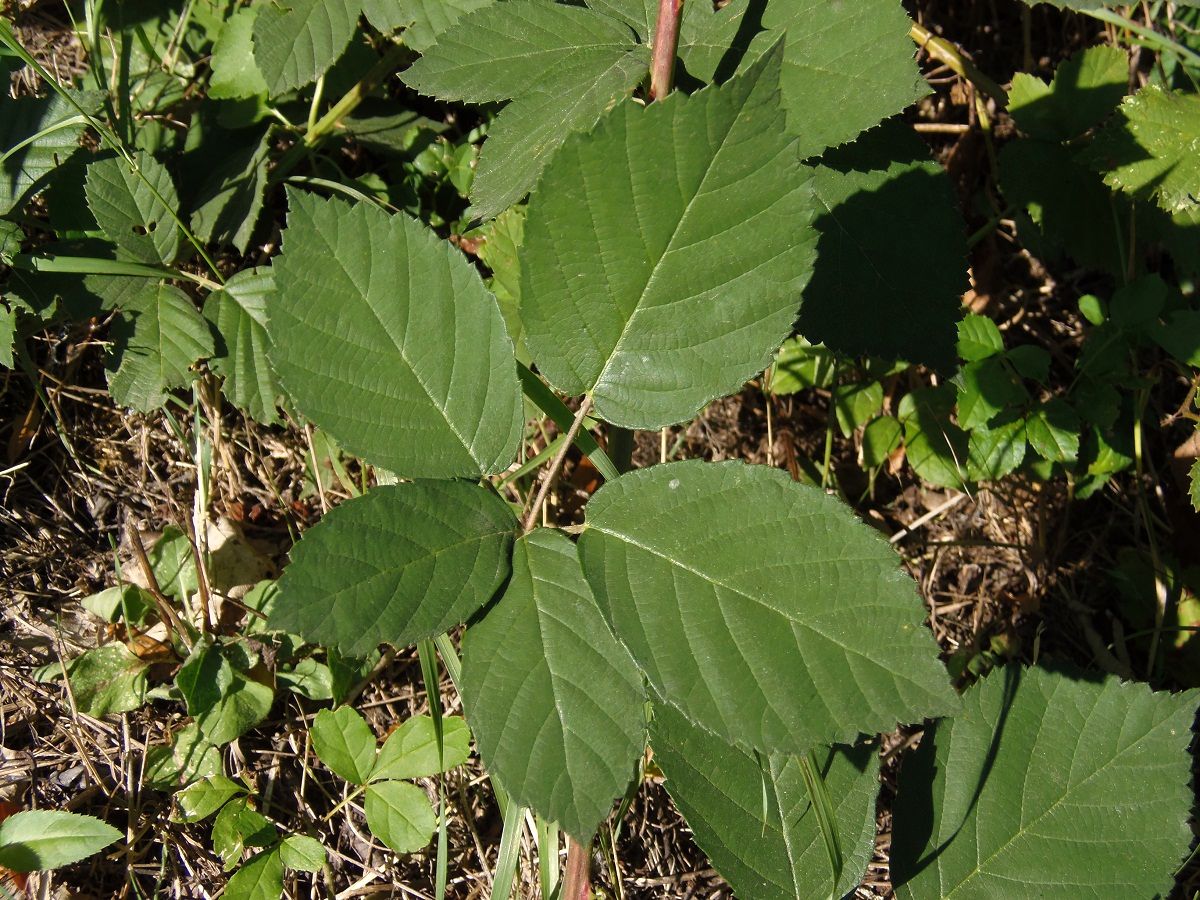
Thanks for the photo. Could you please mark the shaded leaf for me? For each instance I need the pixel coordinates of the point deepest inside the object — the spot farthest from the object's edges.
(235, 74)
(882, 204)
(231, 198)
(1053, 431)
(422, 20)
(134, 208)
(50, 128)
(1014, 796)
(1085, 89)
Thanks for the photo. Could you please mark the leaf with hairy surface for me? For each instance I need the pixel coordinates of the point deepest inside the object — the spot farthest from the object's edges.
(134, 208)
(297, 41)
(555, 701)
(657, 320)
(759, 607)
(385, 337)
(238, 314)
(399, 564)
(1048, 784)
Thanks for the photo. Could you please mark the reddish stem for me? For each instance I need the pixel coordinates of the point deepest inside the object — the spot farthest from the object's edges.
(576, 878)
(666, 43)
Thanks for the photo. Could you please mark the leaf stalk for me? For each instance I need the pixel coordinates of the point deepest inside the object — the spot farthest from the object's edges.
(666, 44)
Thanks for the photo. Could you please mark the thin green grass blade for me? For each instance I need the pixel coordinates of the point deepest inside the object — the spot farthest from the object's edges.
(510, 853)
(547, 401)
(824, 810)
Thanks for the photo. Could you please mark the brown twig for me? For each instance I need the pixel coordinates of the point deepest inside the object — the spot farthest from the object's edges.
(556, 464)
(165, 611)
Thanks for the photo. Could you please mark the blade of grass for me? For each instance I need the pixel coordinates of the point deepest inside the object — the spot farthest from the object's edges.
(510, 853)
(823, 809)
(547, 401)
(429, 671)
(548, 868)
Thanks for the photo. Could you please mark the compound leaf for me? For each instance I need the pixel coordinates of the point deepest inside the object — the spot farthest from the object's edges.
(883, 203)
(1015, 795)
(238, 314)
(658, 319)
(36, 840)
(157, 338)
(760, 607)
(134, 208)
(555, 701)
(385, 337)
(727, 794)
(400, 563)
(297, 41)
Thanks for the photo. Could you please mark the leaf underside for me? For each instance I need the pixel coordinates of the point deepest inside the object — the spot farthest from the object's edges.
(759, 607)
(1048, 784)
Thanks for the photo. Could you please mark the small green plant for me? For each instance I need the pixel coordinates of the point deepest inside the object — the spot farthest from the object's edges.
(665, 200)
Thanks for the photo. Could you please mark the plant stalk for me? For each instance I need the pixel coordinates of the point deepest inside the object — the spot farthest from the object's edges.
(576, 879)
(666, 44)
(531, 519)
(947, 54)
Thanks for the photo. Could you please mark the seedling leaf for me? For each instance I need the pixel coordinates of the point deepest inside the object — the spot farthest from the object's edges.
(344, 741)
(399, 814)
(411, 751)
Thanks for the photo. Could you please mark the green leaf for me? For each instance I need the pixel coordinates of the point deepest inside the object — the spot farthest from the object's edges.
(235, 76)
(299, 851)
(259, 878)
(752, 815)
(135, 210)
(116, 603)
(554, 700)
(411, 751)
(345, 742)
(994, 452)
(108, 679)
(173, 564)
(308, 678)
(399, 814)
(934, 446)
(385, 337)
(423, 20)
(185, 759)
(832, 89)
(399, 564)
(743, 595)
(231, 198)
(297, 41)
(880, 440)
(1180, 336)
(883, 204)
(498, 51)
(527, 133)
(800, 365)
(1137, 304)
(978, 338)
(1053, 431)
(238, 314)
(202, 798)
(855, 403)
(237, 827)
(1014, 797)
(223, 698)
(1085, 89)
(156, 340)
(37, 135)
(499, 247)
(37, 840)
(1194, 476)
(8, 335)
(984, 389)
(658, 320)
(1150, 147)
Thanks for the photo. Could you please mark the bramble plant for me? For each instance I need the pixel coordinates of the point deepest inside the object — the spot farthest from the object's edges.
(673, 199)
